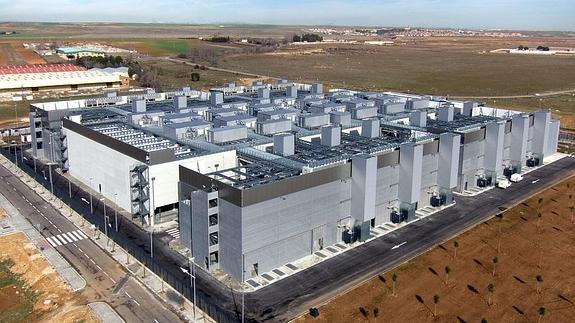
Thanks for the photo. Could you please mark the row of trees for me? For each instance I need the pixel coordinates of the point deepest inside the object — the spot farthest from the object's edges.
(310, 38)
(100, 62)
(541, 48)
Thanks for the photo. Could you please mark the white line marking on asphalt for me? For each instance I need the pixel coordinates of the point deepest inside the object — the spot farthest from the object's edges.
(92, 261)
(112, 279)
(65, 237)
(135, 301)
(61, 239)
(51, 242)
(71, 236)
(98, 266)
(57, 241)
(77, 234)
(130, 296)
(156, 321)
(398, 245)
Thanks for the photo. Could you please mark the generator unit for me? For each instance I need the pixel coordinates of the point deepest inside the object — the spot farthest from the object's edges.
(532, 162)
(508, 171)
(484, 181)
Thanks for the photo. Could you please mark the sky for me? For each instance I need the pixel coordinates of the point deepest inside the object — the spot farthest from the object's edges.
(477, 14)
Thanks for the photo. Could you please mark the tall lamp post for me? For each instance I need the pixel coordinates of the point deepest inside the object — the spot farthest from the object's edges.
(116, 210)
(90, 191)
(153, 203)
(105, 217)
(192, 274)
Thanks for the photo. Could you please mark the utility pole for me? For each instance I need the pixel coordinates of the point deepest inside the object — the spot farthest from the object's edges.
(152, 243)
(242, 287)
(105, 217)
(90, 190)
(51, 183)
(193, 282)
(116, 210)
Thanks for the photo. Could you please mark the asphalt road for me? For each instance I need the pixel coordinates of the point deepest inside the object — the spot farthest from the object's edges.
(294, 295)
(106, 280)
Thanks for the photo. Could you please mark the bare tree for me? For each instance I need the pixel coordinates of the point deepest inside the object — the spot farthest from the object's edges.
(491, 290)
(539, 215)
(393, 281)
(435, 302)
(495, 261)
(500, 218)
(539, 280)
(541, 312)
(455, 246)
(447, 271)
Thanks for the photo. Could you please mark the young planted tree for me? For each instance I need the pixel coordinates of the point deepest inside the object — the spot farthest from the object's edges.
(393, 281)
(539, 280)
(500, 219)
(539, 215)
(483, 320)
(435, 302)
(572, 208)
(495, 261)
(541, 312)
(447, 271)
(491, 290)
(455, 246)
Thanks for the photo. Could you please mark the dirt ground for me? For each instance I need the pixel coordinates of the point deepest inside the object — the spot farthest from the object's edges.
(14, 53)
(2, 214)
(53, 300)
(527, 249)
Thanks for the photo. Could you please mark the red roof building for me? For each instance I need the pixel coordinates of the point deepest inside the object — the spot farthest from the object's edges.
(43, 68)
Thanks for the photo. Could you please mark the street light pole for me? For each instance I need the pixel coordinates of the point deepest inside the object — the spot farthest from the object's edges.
(153, 201)
(152, 243)
(51, 183)
(242, 287)
(90, 191)
(193, 282)
(116, 210)
(105, 217)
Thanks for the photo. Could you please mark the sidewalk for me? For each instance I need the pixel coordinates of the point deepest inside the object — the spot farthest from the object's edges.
(61, 265)
(139, 271)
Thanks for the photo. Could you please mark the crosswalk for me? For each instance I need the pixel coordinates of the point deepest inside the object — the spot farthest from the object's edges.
(67, 237)
(174, 232)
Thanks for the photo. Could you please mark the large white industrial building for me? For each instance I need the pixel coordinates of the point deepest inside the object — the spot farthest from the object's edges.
(261, 176)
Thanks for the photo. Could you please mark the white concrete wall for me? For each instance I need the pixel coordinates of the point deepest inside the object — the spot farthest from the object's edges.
(167, 174)
(108, 168)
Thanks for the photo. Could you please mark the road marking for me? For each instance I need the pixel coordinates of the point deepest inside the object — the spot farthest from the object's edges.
(135, 301)
(81, 234)
(535, 181)
(174, 232)
(67, 238)
(71, 236)
(398, 245)
(112, 279)
(53, 243)
(92, 260)
(61, 239)
(85, 201)
(130, 296)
